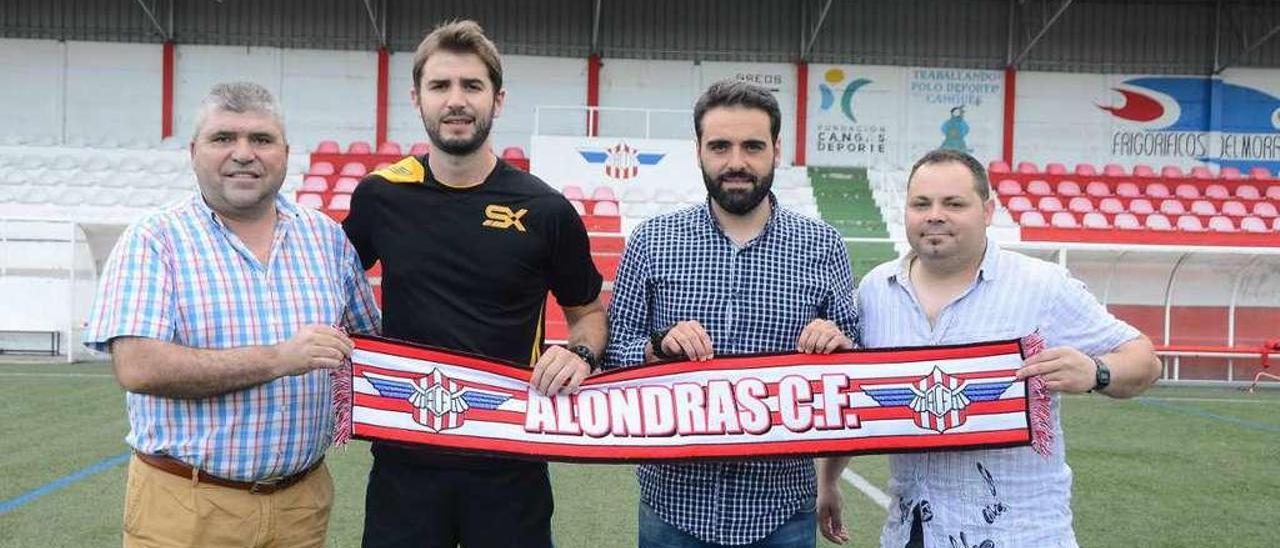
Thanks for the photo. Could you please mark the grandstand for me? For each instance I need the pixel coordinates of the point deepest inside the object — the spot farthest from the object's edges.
(1135, 142)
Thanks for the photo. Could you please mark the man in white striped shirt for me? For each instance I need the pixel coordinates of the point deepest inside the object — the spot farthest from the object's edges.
(957, 286)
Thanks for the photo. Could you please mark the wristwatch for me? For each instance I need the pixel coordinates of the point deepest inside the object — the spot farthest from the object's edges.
(655, 340)
(587, 356)
(1102, 379)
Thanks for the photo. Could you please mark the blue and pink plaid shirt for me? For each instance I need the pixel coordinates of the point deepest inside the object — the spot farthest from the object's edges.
(181, 276)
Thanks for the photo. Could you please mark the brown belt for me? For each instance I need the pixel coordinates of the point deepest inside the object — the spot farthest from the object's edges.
(266, 487)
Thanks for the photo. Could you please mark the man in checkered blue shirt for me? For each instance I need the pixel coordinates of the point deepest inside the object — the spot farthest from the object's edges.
(735, 275)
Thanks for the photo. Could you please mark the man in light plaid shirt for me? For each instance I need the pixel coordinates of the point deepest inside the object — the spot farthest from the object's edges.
(734, 275)
(222, 317)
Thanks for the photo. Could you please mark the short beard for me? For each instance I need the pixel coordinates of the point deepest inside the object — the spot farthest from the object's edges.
(738, 202)
(457, 147)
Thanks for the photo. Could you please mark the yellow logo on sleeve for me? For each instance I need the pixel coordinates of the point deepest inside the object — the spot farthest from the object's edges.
(502, 217)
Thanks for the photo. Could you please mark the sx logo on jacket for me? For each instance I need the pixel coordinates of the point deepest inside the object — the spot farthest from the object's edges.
(502, 217)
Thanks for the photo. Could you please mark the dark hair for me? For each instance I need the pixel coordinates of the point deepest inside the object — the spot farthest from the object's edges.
(732, 93)
(942, 156)
(459, 37)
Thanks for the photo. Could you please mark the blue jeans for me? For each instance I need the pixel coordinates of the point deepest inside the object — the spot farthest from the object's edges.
(800, 531)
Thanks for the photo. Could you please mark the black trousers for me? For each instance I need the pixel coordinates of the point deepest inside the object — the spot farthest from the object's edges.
(408, 505)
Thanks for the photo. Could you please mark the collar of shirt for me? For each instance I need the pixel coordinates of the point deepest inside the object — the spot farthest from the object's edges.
(286, 213)
(713, 224)
(988, 270)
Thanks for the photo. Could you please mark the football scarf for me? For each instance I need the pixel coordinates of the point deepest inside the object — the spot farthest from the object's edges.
(750, 406)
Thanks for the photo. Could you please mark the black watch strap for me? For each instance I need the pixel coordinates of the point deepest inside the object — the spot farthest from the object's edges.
(1102, 379)
(587, 355)
(655, 340)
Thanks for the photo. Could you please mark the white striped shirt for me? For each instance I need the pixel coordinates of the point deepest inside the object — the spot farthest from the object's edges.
(1012, 497)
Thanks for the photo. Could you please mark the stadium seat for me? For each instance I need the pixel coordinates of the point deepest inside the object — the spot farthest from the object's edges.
(1171, 172)
(1039, 188)
(1229, 173)
(606, 209)
(1248, 192)
(604, 193)
(513, 153)
(1018, 204)
(314, 183)
(573, 192)
(1221, 224)
(1203, 207)
(419, 148)
(1264, 209)
(1186, 191)
(1050, 204)
(311, 200)
(1217, 192)
(1096, 221)
(1156, 221)
(1064, 219)
(1172, 207)
(1080, 204)
(1235, 209)
(321, 169)
(1085, 170)
(1009, 187)
(1157, 190)
(1260, 173)
(1126, 221)
(1128, 190)
(381, 165)
(1111, 206)
(1055, 168)
(1273, 192)
(1201, 172)
(1253, 225)
(354, 169)
(1143, 170)
(1141, 206)
(328, 147)
(1190, 223)
(578, 206)
(346, 185)
(1275, 224)
(1032, 219)
(1068, 188)
(997, 166)
(359, 147)
(340, 202)
(1097, 189)
(1113, 170)
(390, 148)
(1028, 168)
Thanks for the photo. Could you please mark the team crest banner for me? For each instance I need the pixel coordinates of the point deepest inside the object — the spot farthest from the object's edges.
(861, 401)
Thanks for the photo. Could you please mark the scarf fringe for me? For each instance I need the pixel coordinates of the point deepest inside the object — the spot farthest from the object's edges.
(1041, 401)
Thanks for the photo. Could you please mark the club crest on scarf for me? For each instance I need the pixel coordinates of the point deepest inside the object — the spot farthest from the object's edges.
(938, 399)
(440, 403)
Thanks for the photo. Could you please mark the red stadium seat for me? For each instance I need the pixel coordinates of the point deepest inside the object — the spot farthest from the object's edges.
(1157, 190)
(1248, 192)
(606, 209)
(1230, 173)
(1063, 219)
(359, 147)
(1275, 224)
(1055, 168)
(1201, 172)
(604, 193)
(1203, 207)
(1217, 192)
(354, 169)
(1171, 172)
(1141, 206)
(1190, 223)
(322, 169)
(1126, 221)
(1273, 192)
(1186, 191)
(1260, 173)
(328, 147)
(311, 200)
(1039, 188)
(1113, 170)
(419, 148)
(1018, 204)
(391, 148)
(1032, 219)
(1221, 224)
(573, 192)
(314, 183)
(340, 202)
(513, 153)
(1265, 209)
(346, 185)
(1236, 209)
(1128, 190)
(1080, 204)
(1050, 204)
(1028, 167)
(1111, 206)
(1143, 170)
(1253, 225)
(1009, 187)
(1096, 221)
(1068, 188)
(578, 206)
(1097, 189)
(1085, 170)
(1156, 221)
(1172, 207)
(997, 166)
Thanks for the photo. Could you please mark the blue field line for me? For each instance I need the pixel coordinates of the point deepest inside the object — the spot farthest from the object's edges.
(64, 481)
(1197, 412)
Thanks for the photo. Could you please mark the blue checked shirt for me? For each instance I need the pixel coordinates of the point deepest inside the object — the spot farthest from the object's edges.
(1010, 497)
(751, 298)
(182, 276)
